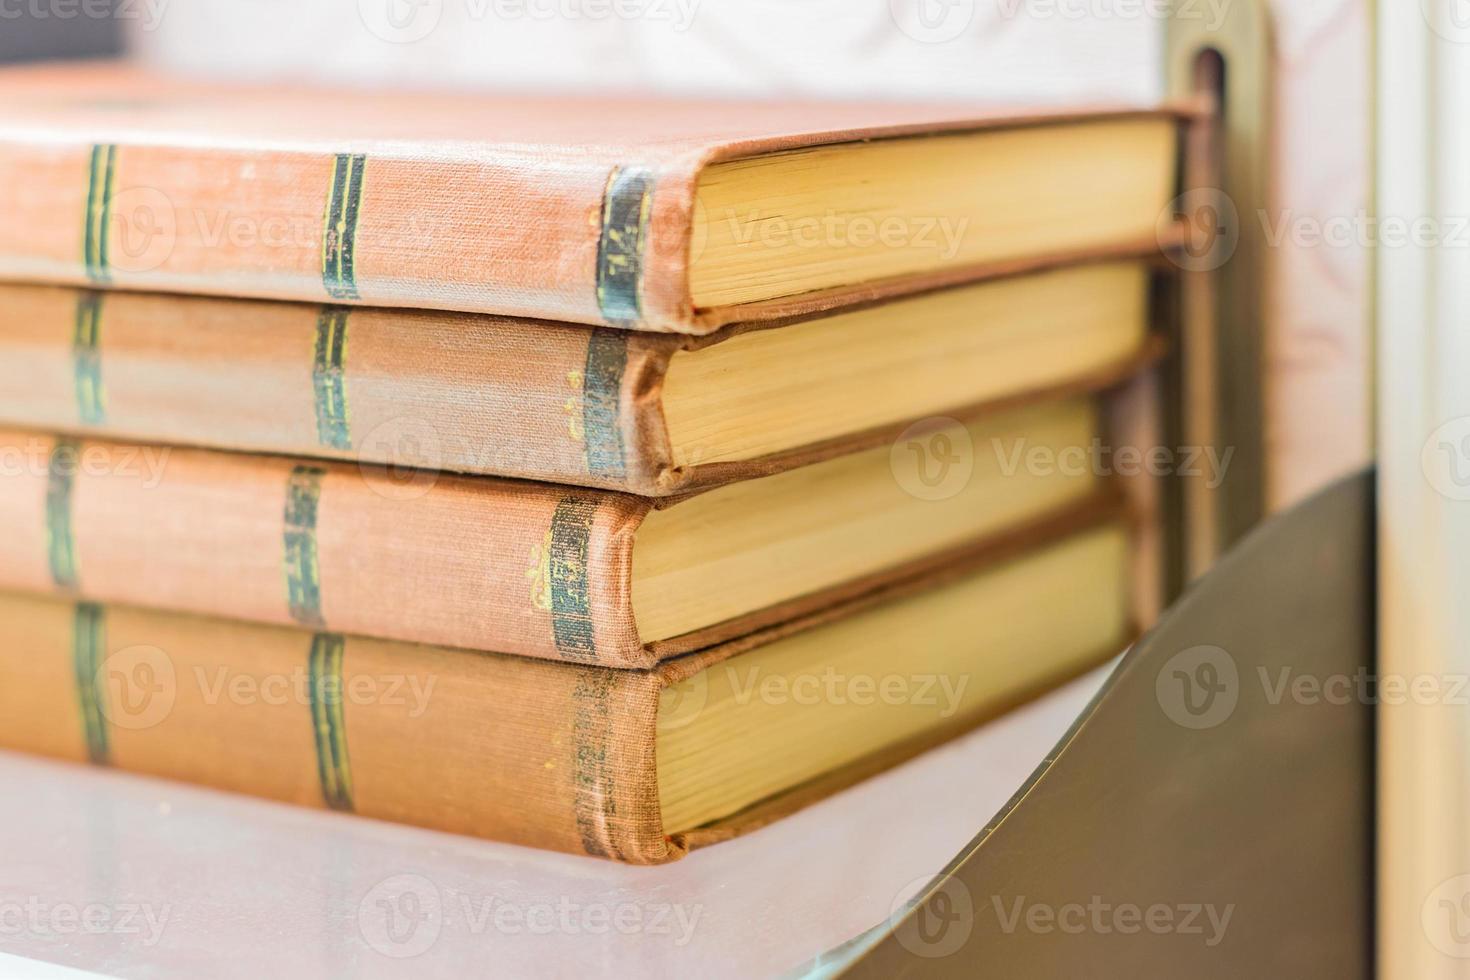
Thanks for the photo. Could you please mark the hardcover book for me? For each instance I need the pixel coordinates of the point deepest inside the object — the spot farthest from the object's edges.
(636, 766)
(649, 414)
(677, 216)
(518, 567)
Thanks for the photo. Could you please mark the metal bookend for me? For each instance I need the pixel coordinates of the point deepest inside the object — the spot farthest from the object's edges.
(1210, 815)
(1219, 56)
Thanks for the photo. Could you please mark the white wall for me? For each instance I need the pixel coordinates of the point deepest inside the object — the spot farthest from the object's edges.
(974, 49)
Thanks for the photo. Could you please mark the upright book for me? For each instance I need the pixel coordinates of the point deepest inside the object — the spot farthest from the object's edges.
(675, 216)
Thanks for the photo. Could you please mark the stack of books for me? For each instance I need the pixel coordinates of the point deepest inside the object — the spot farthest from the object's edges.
(607, 476)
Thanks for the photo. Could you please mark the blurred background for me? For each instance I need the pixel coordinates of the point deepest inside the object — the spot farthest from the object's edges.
(992, 49)
(996, 50)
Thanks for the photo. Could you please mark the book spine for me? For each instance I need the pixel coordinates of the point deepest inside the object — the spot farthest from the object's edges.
(483, 564)
(463, 393)
(508, 233)
(545, 755)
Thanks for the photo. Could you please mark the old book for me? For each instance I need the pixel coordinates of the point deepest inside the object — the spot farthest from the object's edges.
(650, 414)
(519, 567)
(636, 766)
(671, 215)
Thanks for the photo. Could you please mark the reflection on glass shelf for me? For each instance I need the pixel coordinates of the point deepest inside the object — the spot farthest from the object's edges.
(134, 877)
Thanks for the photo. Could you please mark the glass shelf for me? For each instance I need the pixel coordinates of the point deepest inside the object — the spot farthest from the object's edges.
(128, 876)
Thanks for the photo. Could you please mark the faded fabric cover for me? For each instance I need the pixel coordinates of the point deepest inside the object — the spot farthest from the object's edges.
(485, 564)
(555, 756)
(561, 403)
(562, 209)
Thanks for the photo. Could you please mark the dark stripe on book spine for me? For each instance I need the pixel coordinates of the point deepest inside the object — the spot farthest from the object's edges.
(88, 652)
(602, 386)
(594, 800)
(101, 166)
(571, 607)
(86, 356)
(626, 205)
(303, 578)
(329, 378)
(61, 552)
(339, 236)
(329, 728)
